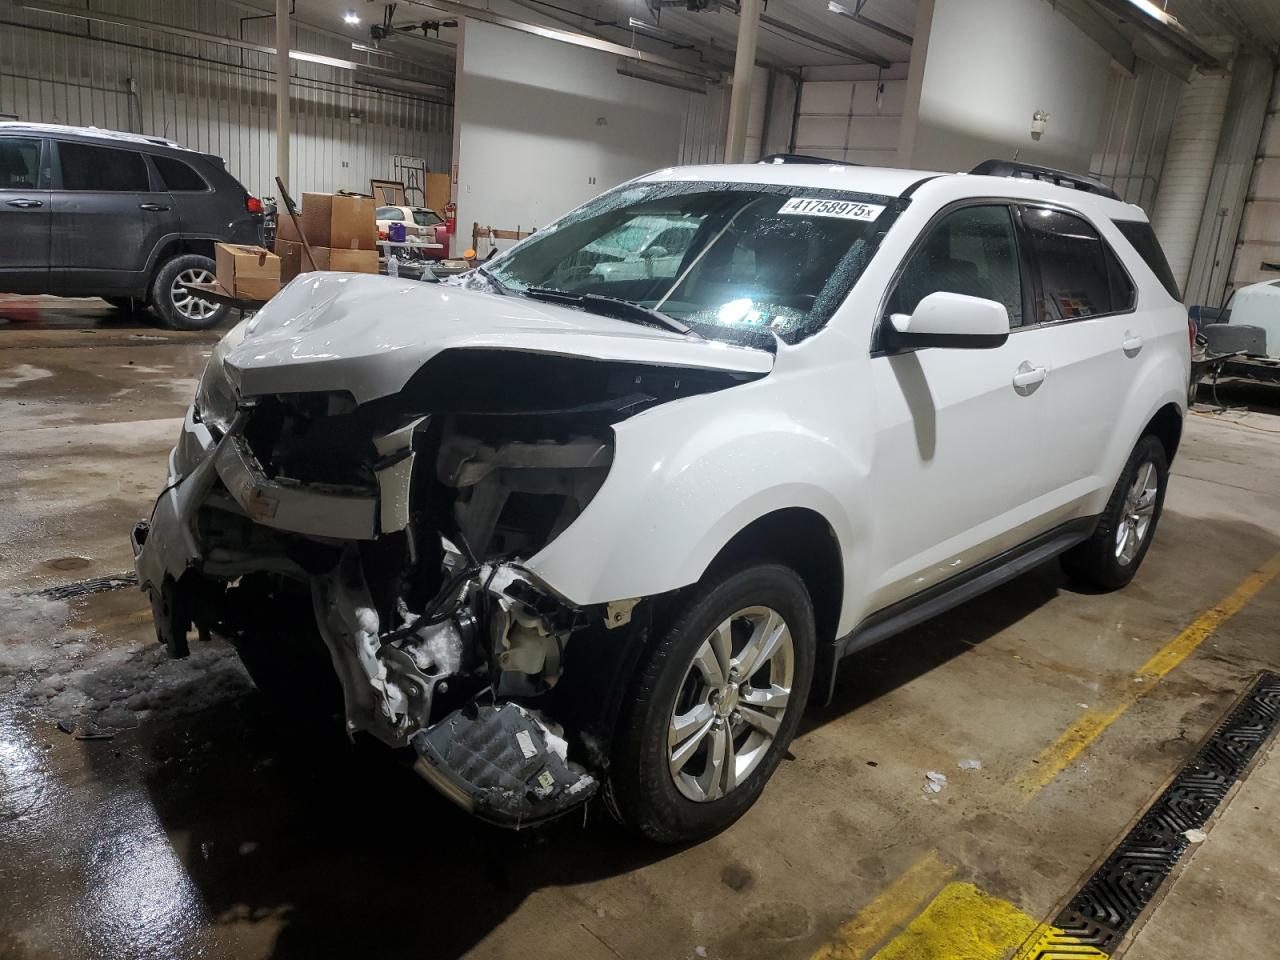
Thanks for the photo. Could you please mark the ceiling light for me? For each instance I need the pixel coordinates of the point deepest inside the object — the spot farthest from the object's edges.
(350, 18)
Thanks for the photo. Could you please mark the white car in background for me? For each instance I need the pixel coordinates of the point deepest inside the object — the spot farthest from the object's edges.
(418, 221)
(553, 528)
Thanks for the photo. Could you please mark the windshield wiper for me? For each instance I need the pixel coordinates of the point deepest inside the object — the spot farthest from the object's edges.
(498, 285)
(612, 307)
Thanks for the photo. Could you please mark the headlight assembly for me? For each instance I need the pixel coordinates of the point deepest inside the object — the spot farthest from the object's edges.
(215, 397)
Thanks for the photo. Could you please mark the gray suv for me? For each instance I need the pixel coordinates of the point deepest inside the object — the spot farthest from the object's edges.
(122, 216)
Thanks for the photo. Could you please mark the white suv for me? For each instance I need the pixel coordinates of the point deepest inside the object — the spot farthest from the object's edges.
(555, 527)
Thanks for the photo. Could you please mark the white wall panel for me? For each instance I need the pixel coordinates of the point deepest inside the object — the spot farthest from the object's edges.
(215, 98)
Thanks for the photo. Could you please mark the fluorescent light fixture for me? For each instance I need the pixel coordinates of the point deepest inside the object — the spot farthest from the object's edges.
(1151, 10)
(350, 18)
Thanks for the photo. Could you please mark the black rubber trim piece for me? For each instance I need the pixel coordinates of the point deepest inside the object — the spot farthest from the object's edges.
(941, 597)
(1113, 898)
(83, 588)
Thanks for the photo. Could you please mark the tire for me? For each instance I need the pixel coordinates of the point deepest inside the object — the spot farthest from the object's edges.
(178, 310)
(1109, 559)
(673, 681)
(126, 304)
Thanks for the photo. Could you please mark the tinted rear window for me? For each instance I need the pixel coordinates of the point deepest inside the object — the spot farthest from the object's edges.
(102, 168)
(1144, 241)
(177, 175)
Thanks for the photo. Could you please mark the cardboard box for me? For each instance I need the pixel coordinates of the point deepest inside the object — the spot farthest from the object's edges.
(338, 222)
(285, 230)
(250, 273)
(354, 261)
(438, 191)
(293, 259)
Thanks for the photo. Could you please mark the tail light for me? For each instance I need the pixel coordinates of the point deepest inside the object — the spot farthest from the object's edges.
(252, 203)
(1191, 332)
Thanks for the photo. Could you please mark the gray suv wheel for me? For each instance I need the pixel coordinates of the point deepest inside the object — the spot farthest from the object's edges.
(176, 305)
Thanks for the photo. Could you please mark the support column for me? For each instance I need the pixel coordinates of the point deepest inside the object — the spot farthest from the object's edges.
(744, 63)
(1188, 168)
(282, 91)
(1245, 112)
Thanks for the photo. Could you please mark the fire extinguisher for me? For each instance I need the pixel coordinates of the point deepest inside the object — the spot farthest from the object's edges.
(451, 217)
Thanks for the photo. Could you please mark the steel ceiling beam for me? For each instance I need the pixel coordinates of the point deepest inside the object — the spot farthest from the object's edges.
(564, 36)
(857, 16)
(82, 13)
(844, 48)
(1150, 19)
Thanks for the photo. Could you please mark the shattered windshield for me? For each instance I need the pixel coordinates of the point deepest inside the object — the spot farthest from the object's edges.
(737, 262)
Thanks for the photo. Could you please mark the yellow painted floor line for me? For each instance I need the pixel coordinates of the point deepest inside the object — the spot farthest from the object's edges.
(1058, 755)
(895, 905)
(962, 922)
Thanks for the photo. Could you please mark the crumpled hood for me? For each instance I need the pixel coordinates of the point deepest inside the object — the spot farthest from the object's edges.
(368, 335)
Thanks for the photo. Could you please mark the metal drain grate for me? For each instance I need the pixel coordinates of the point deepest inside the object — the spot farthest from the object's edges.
(1112, 899)
(83, 588)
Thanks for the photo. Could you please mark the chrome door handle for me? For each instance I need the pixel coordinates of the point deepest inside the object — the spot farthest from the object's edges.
(154, 207)
(1026, 378)
(24, 204)
(1131, 344)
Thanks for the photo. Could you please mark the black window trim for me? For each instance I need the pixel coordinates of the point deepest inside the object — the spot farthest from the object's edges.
(56, 167)
(44, 177)
(157, 178)
(1019, 207)
(1025, 272)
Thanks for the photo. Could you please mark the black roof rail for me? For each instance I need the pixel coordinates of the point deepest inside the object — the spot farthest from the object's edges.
(805, 158)
(1030, 171)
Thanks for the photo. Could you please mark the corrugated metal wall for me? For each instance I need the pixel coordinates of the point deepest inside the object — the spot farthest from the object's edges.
(1133, 135)
(1257, 255)
(216, 98)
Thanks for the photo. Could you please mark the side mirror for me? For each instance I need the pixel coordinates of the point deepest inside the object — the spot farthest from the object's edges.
(949, 320)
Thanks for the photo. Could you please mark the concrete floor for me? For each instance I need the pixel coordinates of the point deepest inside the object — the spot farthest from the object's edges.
(211, 826)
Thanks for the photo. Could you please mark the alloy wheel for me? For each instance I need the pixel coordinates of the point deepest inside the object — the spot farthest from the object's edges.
(1139, 508)
(187, 303)
(731, 703)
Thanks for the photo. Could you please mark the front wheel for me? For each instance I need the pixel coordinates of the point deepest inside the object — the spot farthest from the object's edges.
(1109, 559)
(715, 705)
(178, 307)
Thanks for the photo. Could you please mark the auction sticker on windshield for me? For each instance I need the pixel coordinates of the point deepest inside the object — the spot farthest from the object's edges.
(842, 209)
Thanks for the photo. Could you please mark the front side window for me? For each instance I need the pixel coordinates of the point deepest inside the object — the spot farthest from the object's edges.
(103, 169)
(179, 176)
(19, 163)
(1079, 274)
(972, 251)
(739, 262)
(389, 213)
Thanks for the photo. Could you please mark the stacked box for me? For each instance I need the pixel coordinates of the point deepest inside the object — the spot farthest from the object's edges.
(341, 230)
(247, 272)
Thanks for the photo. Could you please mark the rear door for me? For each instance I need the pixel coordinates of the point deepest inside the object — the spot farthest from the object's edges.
(200, 210)
(1092, 340)
(24, 215)
(109, 216)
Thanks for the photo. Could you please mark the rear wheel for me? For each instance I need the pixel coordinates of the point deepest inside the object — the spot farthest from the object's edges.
(177, 306)
(1109, 559)
(715, 706)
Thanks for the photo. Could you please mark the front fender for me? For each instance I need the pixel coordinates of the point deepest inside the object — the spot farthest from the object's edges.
(687, 477)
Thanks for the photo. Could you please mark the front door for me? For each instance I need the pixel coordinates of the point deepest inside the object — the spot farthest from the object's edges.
(24, 215)
(958, 455)
(108, 218)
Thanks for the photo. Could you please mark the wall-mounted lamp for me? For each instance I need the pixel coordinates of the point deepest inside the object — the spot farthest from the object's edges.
(1038, 121)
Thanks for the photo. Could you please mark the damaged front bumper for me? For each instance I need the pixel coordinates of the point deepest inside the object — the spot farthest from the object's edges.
(440, 677)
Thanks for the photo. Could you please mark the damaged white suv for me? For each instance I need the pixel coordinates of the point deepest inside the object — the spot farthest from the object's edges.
(561, 527)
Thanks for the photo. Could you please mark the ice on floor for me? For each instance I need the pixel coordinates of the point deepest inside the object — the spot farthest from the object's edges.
(71, 674)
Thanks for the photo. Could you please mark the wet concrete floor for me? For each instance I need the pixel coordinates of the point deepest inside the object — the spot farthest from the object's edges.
(211, 824)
